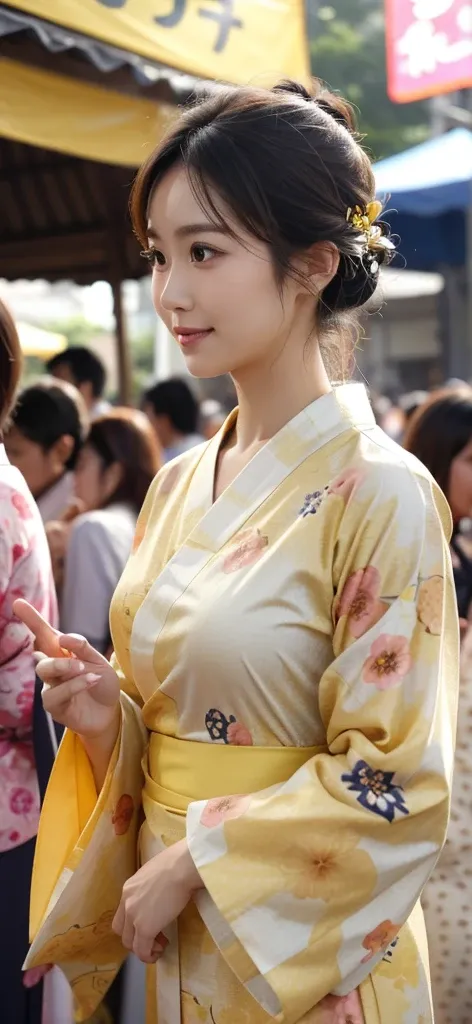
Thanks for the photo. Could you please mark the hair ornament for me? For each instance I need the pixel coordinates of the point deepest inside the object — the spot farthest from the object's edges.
(366, 221)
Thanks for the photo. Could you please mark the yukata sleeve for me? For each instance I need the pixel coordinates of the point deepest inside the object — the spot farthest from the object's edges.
(312, 879)
(86, 849)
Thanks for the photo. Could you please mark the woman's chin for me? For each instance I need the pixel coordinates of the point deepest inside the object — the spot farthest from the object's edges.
(203, 368)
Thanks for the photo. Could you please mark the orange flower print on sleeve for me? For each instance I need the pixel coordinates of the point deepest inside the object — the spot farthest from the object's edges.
(360, 601)
(249, 548)
(389, 661)
(379, 939)
(430, 604)
(238, 735)
(138, 536)
(342, 1009)
(123, 814)
(223, 808)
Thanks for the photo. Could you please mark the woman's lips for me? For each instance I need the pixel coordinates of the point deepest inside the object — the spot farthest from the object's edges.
(189, 336)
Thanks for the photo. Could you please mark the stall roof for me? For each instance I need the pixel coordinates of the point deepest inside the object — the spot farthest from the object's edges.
(429, 179)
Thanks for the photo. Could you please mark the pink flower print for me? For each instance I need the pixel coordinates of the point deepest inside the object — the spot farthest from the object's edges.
(22, 507)
(24, 699)
(346, 483)
(342, 1009)
(250, 547)
(17, 552)
(223, 808)
(21, 801)
(389, 661)
(379, 939)
(14, 836)
(360, 601)
(238, 735)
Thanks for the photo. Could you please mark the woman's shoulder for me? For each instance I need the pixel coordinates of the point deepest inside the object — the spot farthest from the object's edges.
(380, 471)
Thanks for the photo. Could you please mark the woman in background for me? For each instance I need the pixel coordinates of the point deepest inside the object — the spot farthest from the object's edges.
(25, 571)
(440, 434)
(49, 425)
(112, 476)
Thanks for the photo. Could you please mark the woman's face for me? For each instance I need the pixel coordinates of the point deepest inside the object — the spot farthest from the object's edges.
(40, 468)
(92, 478)
(218, 295)
(460, 484)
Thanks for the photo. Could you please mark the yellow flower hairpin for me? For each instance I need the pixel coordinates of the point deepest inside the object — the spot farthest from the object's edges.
(363, 220)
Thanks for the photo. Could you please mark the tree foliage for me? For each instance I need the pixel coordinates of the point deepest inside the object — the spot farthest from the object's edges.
(347, 45)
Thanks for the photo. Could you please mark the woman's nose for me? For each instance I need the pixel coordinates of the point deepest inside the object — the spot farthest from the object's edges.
(176, 294)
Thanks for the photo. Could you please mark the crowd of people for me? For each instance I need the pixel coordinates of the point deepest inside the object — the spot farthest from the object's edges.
(219, 571)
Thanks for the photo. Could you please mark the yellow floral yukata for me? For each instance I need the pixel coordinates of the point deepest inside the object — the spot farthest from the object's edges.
(293, 647)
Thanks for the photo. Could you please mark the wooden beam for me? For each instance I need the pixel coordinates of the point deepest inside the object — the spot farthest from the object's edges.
(122, 347)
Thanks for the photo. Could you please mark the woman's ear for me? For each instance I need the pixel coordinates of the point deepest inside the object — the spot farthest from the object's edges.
(318, 266)
(63, 448)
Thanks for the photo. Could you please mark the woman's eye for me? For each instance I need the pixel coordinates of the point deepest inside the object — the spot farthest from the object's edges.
(154, 257)
(202, 253)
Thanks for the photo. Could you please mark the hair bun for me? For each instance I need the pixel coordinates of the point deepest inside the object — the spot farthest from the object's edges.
(337, 107)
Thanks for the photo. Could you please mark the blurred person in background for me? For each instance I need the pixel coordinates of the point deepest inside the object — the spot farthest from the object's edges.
(440, 435)
(48, 427)
(410, 402)
(112, 476)
(80, 366)
(172, 408)
(25, 571)
(212, 417)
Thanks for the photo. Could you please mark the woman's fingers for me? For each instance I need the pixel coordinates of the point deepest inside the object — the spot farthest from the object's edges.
(57, 697)
(81, 648)
(57, 670)
(47, 638)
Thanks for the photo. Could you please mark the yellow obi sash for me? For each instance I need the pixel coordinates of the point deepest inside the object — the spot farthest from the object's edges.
(178, 771)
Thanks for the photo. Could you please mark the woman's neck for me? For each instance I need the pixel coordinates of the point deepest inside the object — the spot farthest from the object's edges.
(269, 397)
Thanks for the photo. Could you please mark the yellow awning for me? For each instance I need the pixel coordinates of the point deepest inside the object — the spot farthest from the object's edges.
(70, 116)
(36, 342)
(233, 40)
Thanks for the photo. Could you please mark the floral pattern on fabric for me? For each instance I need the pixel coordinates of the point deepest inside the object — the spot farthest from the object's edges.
(249, 549)
(360, 601)
(312, 503)
(227, 729)
(380, 939)
(376, 790)
(123, 814)
(223, 808)
(25, 571)
(429, 605)
(389, 661)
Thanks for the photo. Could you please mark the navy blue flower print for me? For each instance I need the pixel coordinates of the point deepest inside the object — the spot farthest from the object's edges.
(376, 790)
(218, 725)
(312, 503)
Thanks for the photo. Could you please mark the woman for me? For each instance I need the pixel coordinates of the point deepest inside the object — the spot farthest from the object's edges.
(112, 476)
(273, 623)
(48, 428)
(440, 434)
(25, 571)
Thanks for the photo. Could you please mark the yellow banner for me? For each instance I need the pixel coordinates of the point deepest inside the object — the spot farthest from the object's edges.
(74, 117)
(233, 40)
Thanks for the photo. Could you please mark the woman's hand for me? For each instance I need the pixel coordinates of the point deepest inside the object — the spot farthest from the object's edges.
(153, 898)
(82, 691)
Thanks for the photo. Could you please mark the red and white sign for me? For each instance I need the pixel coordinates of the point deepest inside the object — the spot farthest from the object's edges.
(429, 47)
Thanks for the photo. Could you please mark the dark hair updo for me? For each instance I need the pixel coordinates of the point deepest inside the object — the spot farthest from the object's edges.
(288, 164)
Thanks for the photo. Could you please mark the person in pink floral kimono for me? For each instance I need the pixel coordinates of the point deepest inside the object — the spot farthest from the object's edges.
(25, 571)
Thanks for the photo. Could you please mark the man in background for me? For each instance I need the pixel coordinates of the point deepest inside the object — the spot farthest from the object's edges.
(173, 411)
(80, 366)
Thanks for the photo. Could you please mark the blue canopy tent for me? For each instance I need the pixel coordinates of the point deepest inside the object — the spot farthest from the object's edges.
(429, 192)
